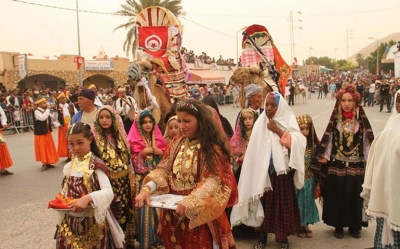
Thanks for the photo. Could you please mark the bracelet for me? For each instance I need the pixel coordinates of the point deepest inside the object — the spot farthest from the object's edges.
(146, 189)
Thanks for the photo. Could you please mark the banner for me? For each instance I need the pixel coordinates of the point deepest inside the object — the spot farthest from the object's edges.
(23, 65)
(99, 65)
(153, 40)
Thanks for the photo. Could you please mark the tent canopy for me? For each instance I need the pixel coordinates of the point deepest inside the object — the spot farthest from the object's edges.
(202, 76)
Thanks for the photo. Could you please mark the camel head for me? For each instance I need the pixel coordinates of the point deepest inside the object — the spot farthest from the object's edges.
(244, 76)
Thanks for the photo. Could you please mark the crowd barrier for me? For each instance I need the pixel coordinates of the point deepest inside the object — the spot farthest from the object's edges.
(19, 119)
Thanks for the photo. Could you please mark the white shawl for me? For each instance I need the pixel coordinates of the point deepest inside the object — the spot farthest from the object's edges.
(381, 182)
(254, 178)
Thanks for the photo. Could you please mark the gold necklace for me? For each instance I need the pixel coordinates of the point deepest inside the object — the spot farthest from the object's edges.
(348, 133)
(187, 158)
(180, 219)
(79, 164)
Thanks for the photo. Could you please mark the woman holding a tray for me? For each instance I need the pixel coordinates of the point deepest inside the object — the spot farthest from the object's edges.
(196, 166)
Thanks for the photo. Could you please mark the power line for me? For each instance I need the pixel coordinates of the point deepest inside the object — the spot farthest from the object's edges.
(209, 28)
(283, 16)
(63, 8)
(105, 13)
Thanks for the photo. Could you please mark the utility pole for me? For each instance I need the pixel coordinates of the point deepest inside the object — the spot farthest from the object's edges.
(291, 29)
(79, 43)
(349, 36)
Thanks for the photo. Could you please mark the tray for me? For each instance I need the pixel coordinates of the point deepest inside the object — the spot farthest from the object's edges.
(167, 201)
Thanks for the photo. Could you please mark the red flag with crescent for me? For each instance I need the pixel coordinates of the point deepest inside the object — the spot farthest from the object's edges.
(78, 60)
(153, 40)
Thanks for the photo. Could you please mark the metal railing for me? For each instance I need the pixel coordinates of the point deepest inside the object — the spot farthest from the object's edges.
(19, 119)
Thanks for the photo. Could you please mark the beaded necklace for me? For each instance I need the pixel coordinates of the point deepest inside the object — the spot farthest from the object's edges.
(348, 127)
(184, 163)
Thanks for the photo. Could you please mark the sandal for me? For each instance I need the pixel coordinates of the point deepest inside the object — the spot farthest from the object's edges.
(259, 245)
(309, 233)
(301, 233)
(285, 245)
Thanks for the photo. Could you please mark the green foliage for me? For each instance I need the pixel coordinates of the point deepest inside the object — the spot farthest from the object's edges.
(371, 59)
(341, 65)
(361, 60)
(132, 7)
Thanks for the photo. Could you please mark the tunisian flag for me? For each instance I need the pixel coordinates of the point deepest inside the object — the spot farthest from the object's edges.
(153, 40)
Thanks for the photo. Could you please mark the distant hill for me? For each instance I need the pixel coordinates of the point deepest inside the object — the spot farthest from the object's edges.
(372, 46)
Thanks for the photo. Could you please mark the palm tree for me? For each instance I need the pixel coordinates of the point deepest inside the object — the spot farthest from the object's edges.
(132, 7)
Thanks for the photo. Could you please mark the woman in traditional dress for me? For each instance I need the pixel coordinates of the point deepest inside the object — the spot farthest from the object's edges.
(381, 183)
(305, 196)
(89, 224)
(344, 149)
(5, 158)
(148, 146)
(271, 172)
(197, 166)
(115, 152)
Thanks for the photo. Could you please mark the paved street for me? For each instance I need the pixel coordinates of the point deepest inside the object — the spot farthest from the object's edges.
(25, 221)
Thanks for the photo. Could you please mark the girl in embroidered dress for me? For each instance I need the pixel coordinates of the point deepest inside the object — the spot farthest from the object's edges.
(344, 149)
(241, 137)
(89, 224)
(148, 146)
(271, 172)
(305, 196)
(381, 183)
(197, 166)
(115, 152)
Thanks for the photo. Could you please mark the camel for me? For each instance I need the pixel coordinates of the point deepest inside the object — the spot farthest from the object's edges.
(244, 76)
(146, 68)
(300, 90)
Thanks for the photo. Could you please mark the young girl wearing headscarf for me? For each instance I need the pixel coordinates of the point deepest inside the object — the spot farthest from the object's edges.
(269, 171)
(344, 149)
(305, 196)
(115, 152)
(148, 146)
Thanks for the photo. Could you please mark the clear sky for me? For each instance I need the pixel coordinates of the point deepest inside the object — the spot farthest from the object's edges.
(46, 31)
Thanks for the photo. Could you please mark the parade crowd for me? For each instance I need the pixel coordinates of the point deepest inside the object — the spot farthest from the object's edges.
(261, 176)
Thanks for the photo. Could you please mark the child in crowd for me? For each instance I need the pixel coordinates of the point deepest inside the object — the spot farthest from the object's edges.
(305, 196)
(241, 137)
(172, 130)
(45, 150)
(148, 146)
(17, 116)
(89, 223)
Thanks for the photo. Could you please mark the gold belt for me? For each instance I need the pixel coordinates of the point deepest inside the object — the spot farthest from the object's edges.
(350, 159)
(118, 174)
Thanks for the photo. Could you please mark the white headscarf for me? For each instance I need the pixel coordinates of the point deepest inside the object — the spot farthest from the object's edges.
(381, 181)
(254, 178)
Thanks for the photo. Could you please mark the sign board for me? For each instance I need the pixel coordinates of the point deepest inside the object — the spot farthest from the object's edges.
(99, 65)
(23, 65)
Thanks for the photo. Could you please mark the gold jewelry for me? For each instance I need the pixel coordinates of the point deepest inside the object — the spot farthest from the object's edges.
(146, 189)
(180, 219)
(79, 164)
(184, 163)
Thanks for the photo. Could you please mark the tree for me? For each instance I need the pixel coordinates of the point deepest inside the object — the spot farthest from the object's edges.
(362, 62)
(132, 7)
(322, 61)
(371, 59)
